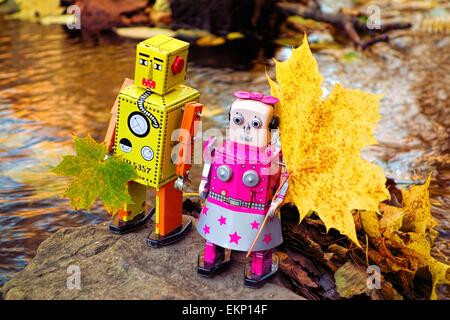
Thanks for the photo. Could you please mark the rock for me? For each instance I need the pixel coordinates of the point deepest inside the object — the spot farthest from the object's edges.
(124, 267)
(259, 18)
(101, 15)
(8, 7)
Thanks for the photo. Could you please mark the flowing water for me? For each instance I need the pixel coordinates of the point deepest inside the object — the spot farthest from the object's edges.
(53, 85)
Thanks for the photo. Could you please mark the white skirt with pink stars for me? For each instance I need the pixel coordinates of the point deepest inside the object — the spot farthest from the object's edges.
(237, 230)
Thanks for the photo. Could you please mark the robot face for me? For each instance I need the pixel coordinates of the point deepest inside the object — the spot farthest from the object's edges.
(150, 70)
(144, 70)
(160, 64)
(249, 122)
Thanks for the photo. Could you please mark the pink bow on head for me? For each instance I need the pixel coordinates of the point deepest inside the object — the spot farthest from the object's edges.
(256, 96)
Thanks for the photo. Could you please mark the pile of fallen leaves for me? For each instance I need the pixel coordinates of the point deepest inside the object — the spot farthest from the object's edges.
(403, 236)
(351, 219)
(395, 241)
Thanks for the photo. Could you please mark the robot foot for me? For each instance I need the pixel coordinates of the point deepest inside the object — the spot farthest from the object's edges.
(118, 226)
(155, 241)
(209, 270)
(252, 280)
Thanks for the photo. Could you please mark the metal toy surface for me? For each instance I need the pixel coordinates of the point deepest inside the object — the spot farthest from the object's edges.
(240, 184)
(143, 120)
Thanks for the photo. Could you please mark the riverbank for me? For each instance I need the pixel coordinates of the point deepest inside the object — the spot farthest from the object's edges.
(124, 267)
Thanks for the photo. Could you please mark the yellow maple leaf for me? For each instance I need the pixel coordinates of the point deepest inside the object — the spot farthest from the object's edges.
(37, 9)
(418, 216)
(322, 141)
(370, 224)
(440, 275)
(418, 248)
(392, 219)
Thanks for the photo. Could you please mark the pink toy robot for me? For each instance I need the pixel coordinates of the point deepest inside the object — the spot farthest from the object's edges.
(241, 184)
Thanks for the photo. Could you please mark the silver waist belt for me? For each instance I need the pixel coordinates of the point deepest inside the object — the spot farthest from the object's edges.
(237, 202)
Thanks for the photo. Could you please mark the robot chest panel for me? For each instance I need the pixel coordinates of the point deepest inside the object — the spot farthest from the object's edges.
(245, 181)
(143, 140)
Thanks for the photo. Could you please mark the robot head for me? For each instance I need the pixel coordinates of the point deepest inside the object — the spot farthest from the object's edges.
(251, 118)
(161, 63)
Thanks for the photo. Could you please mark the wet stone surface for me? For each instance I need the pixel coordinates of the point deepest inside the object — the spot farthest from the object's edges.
(124, 267)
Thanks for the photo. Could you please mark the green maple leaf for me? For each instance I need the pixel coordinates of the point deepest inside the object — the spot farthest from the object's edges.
(95, 177)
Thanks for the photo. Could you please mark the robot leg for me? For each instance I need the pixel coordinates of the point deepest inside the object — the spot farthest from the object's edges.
(132, 216)
(263, 267)
(213, 260)
(171, 226)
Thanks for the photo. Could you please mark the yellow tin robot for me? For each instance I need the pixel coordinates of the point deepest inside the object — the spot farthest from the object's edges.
(144, 117)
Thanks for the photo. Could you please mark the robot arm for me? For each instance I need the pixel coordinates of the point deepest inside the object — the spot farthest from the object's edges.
(111, 132)
(281, 191)
(192, 113)
(208, 152)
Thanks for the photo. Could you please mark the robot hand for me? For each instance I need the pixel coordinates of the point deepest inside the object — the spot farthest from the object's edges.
(274, 207)
(203, 189)
(182, 183)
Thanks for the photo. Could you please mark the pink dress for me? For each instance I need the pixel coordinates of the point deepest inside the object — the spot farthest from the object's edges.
(242, 182)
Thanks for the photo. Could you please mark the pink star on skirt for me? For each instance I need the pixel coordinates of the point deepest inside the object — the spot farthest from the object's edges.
(205, 211)
(206, 229)
(234, 237)
(255, 225)
(222, 220)
(267, 238)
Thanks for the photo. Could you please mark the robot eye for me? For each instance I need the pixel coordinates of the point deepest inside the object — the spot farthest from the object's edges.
(238, 118)
(256, 123)
(158, 66)
(143, 62)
